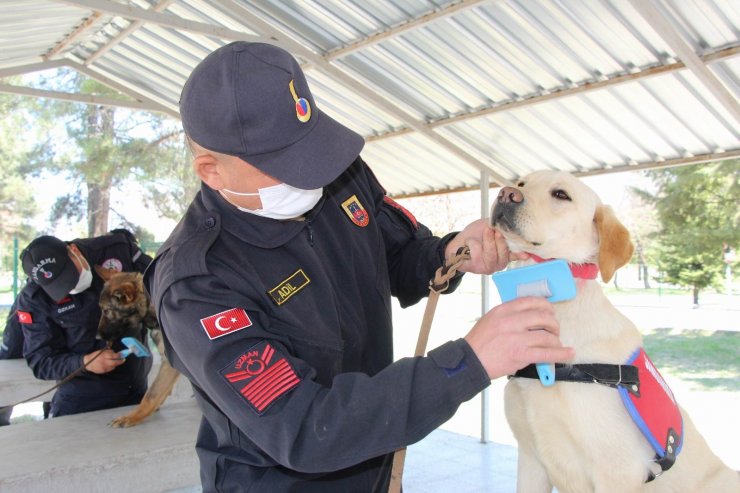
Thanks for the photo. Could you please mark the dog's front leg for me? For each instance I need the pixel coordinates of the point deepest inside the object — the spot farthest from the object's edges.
(531, 476)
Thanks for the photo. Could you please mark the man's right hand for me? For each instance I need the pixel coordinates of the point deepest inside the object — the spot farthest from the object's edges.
(105, 362)
(518, 333)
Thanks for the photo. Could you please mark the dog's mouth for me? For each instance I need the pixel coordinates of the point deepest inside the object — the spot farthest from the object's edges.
(502, 221)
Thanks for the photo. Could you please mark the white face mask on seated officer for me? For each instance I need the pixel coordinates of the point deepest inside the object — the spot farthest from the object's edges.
(282, 201)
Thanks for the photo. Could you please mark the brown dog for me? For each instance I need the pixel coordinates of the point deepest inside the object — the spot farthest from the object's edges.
(125, 308)
(578, 435)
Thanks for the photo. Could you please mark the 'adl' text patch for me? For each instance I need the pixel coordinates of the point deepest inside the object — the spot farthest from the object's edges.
(289, 287)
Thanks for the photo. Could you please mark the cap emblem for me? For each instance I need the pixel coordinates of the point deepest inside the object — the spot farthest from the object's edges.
(302, 106)
(39, 269)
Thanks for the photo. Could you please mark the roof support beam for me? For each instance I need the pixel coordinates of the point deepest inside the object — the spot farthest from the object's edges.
(77, 98)
(76, 33)
(664, 29)
(409, 25)
(568, 91)
(668, 163)
(31, 67)
(165, 20)
(125, 33)
(125, 89)
(322, 64)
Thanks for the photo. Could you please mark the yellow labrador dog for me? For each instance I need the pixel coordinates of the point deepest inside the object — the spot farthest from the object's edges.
(578, 436)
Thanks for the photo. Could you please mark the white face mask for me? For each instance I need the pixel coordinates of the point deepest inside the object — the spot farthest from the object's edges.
(282, 201)
(86, 277)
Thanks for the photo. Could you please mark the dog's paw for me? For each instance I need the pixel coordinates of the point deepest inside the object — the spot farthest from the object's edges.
(125, 421)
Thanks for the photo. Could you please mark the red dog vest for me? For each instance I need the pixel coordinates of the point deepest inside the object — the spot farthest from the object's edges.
(654, 410)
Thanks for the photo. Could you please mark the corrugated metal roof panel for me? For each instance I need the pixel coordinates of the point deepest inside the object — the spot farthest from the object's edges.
(443, 89)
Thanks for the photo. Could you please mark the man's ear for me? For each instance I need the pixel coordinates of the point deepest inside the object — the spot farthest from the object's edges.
(207, 167)
(615, 246)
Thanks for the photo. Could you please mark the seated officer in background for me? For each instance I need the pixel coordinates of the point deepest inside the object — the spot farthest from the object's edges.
(59, 313)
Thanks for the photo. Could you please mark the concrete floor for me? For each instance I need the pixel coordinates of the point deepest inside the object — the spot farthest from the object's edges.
(449, 462)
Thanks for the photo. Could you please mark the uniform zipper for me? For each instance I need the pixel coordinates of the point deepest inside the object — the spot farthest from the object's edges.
(309, 230)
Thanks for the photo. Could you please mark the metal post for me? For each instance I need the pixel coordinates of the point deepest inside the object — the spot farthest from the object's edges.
(485, 292)
(15, 267)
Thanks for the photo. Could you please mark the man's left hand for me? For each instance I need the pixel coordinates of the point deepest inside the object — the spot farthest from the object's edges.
(488, 250)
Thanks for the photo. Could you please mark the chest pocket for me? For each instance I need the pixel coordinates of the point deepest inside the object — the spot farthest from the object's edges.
(79, 319)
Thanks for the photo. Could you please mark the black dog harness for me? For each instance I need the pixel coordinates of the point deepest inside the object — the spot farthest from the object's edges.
(626, 379)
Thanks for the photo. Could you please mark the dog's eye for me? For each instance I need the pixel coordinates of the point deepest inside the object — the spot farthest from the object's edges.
(560, 194)
(520, 184)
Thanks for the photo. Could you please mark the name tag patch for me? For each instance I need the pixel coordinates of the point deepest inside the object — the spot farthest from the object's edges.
(283, 291)
(261, 375)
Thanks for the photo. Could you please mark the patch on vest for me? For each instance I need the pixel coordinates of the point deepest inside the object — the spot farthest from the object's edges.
(654, 410)
(261, 375)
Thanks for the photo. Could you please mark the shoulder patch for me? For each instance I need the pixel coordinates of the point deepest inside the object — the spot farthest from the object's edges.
(24, 317)
(261, 375)
(112, 263)
(402, 210)
(356, 211)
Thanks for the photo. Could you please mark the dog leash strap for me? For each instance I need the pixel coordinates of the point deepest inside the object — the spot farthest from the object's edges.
(438, 285)
(62, 382)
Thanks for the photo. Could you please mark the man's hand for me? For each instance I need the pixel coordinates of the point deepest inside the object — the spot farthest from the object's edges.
(516, 334)
(488, 250)
(107, 361)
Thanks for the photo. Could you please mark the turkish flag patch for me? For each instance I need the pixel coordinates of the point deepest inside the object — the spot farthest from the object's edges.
(24, 317)
(226, 322)
(261, 375)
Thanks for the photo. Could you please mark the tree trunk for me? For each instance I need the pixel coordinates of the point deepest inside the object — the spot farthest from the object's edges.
(101, 128)
(98, 208)
(645, 278)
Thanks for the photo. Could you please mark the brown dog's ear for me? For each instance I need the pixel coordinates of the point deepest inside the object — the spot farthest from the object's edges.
(105, 274)
(615, 247)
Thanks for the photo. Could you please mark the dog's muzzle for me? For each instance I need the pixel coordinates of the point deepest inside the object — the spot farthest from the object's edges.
(504, 211)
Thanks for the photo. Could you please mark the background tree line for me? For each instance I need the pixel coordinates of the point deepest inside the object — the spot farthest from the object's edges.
(679, 226)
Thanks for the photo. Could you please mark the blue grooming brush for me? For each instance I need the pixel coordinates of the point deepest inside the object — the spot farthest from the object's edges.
(552, 280)
(134, 347)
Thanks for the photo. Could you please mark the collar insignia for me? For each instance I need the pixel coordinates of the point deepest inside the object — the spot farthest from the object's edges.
(283, 291)
(356, 212)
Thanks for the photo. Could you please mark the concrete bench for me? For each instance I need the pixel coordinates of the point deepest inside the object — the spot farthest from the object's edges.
(17, 383)
(80, 453)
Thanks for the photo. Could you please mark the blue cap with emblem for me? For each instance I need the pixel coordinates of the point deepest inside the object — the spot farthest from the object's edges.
(47, 262)
(251, 100)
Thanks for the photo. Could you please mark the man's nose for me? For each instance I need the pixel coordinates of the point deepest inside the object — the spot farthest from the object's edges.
(510, 194)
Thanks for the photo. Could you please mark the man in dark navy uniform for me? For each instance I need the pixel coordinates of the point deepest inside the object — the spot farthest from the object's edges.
(274, 290)
(59, 313)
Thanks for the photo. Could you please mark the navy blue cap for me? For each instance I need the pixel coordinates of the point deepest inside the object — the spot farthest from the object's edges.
(46, 261)
(251, 100)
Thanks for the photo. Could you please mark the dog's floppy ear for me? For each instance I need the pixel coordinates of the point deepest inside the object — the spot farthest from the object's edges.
(615, 246)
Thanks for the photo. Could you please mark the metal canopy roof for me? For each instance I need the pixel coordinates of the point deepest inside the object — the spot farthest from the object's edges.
(445, 92)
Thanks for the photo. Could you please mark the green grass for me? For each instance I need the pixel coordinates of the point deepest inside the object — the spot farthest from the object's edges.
(706, 360)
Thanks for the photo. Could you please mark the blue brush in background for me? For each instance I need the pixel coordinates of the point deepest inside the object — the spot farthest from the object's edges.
(552, 279)
(134, 347)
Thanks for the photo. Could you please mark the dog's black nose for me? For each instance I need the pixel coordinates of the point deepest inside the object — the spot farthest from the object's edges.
(510, 194)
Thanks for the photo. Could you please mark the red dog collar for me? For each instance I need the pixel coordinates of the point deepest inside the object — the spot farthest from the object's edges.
(580, 271)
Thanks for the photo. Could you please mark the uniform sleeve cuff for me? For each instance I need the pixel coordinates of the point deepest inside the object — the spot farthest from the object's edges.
(458, 360)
